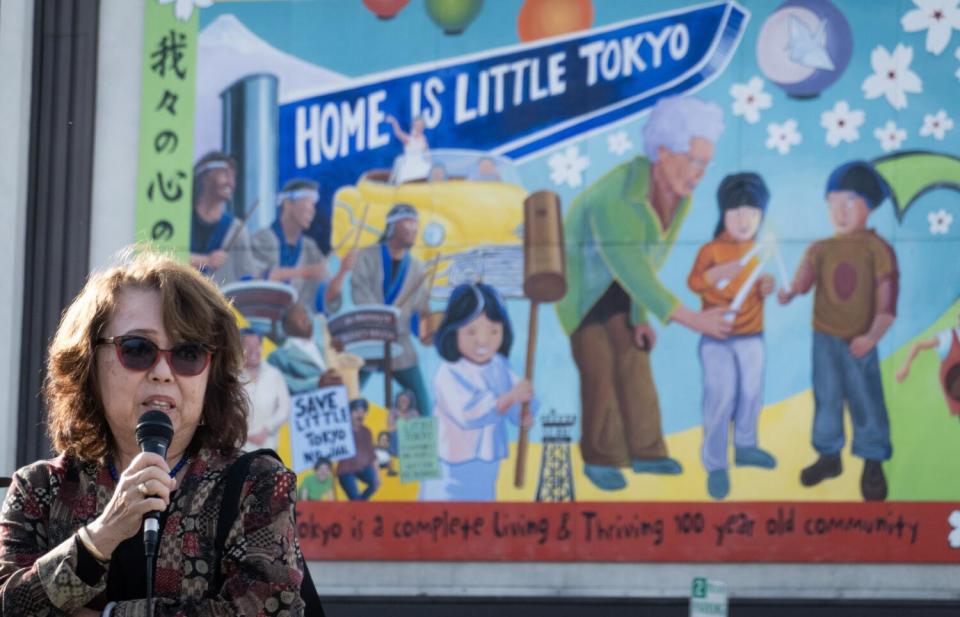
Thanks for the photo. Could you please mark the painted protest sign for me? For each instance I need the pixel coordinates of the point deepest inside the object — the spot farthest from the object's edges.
(417, 438)
(320, 427)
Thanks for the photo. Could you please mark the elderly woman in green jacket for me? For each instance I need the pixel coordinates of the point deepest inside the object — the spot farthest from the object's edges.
(624, 226)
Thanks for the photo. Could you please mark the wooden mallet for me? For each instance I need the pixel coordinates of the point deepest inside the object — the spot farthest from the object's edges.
(544, 280)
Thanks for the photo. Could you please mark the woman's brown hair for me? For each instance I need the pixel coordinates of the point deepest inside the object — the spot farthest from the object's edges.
(193, 310)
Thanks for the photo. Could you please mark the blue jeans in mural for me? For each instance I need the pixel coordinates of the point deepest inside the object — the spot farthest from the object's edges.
(732, 392)
(367, 475)
(839, 377)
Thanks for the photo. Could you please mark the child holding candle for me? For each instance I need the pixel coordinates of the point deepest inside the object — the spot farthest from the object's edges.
(733, 367)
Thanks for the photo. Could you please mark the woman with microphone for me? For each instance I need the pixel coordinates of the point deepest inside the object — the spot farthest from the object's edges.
(150, 334)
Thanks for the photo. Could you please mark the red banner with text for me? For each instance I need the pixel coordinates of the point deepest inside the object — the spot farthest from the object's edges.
(700, 532)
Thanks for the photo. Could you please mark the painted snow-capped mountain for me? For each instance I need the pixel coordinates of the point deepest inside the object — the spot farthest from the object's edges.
(228, 51)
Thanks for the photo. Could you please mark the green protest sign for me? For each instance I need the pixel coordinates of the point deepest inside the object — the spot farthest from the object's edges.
(417, 444)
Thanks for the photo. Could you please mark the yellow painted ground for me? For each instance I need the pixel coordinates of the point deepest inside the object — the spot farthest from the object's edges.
(784, 431)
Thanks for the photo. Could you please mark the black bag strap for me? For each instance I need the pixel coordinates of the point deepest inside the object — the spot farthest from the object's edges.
(230, 510)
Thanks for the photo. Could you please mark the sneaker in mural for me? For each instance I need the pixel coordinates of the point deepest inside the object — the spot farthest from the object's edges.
(754, 457)
(873, 484)
(605, 478)
(665, 466)
(827, 466)
(718, 483)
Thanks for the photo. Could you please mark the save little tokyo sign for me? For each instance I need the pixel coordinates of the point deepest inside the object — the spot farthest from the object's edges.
(744, 532)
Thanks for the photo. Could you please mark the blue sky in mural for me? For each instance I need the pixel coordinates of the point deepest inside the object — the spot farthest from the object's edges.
(930, 268)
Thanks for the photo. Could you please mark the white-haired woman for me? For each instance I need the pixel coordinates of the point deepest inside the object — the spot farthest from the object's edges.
(623, 227)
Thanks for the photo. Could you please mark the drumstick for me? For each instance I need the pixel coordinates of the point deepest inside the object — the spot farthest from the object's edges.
(433, 273)
(363, 220)
(435, 265)
(228, 245)
(359, 230)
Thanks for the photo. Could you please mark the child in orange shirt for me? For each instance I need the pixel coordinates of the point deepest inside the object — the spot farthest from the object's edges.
(733, 367)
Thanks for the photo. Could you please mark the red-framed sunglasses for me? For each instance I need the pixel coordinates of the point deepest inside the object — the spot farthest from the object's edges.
(138, 353)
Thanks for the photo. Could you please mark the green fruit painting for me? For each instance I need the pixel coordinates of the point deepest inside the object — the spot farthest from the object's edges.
(453, 15)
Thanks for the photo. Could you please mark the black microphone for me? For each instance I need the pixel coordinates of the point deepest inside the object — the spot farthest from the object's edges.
(154, 432)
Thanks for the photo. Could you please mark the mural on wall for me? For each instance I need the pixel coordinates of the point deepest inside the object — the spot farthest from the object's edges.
(659, 282)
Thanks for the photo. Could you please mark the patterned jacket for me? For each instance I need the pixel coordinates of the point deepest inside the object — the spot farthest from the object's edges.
(260, 568)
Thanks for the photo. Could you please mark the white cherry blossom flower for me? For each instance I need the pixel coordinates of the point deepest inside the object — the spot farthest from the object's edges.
(781, 137)
(749, 99)
(183, 9)
(940, 222)
(937, 17)
(892, 76)
(954, 537)
(842, 123)
(936, 125)
(890, 135)
(619, 142)
(567, 167)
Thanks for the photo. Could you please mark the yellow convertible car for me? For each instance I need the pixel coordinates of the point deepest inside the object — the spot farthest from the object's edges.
(471, 215)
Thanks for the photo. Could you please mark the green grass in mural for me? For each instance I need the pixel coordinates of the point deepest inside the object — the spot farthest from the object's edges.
(926, 438)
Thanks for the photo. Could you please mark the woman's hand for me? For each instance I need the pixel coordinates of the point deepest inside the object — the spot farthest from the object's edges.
(644, 337)
(711, 321)
(143, 487)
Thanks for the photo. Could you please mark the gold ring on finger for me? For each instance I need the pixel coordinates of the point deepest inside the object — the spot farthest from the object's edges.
(142, 487)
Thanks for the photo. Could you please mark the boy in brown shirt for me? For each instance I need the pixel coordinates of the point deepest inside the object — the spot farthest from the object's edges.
(855, 273)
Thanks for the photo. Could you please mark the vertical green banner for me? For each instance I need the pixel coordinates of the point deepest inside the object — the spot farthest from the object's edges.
(165, 175)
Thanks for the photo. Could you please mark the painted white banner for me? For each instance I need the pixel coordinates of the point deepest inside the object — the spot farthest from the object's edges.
(320, 427)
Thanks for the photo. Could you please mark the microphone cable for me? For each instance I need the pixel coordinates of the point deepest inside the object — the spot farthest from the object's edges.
(150, 550)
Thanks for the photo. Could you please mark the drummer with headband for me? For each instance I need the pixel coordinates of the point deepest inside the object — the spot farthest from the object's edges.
(219, 244)
(386, 273)
(284, 252)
